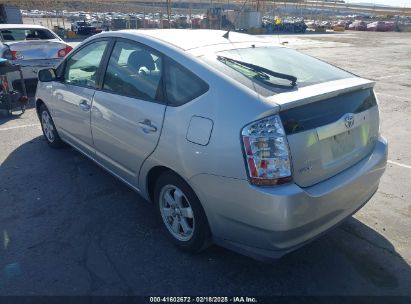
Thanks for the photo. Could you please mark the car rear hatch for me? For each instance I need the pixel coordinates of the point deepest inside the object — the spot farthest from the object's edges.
(329, 126)
(36, 49)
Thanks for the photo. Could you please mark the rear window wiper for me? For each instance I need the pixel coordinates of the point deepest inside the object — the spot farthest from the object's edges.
(260, 70)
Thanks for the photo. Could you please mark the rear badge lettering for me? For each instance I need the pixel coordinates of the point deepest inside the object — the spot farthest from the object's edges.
(305, 169)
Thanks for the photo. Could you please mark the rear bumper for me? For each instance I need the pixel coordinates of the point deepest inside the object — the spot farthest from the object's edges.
(266, 223)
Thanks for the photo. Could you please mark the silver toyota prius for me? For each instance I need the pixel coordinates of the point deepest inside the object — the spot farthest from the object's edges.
(236, 141)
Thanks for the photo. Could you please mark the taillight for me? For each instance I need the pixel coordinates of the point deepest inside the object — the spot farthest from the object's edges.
(15, 55)
(63, 52)
(266, 152)
(23, 99)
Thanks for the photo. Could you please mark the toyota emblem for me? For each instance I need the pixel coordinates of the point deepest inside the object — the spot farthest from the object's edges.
(349, 120)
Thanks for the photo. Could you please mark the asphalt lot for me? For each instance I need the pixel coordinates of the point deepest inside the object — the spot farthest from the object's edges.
(69, 228)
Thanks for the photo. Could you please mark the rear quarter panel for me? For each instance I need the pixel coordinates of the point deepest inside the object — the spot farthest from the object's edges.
(229, 105)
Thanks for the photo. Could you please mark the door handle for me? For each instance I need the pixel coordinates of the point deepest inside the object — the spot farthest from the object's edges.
(146, 126)
(84, 105)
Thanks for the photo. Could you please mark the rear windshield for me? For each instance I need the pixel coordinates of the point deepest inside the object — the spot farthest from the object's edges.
(244, 65)
(26, 34)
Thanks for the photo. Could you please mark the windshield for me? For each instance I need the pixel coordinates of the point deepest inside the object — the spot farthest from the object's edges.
(307, 70)
(26, 34)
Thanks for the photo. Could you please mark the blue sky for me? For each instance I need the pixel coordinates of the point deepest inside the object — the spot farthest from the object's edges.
(400, 3)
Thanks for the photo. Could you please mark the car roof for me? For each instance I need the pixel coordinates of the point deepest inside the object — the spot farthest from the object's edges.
(21, 26)
(187, 39)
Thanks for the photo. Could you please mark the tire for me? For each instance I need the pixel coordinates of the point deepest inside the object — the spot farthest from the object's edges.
(49, 129)
(186, 225)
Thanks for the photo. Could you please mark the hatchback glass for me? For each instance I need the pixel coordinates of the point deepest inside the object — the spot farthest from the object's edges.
(278, 60)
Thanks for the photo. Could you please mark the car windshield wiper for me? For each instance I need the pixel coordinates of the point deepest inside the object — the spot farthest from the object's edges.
(260, 70)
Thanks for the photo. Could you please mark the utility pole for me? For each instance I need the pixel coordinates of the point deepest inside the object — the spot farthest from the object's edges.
(190, 18)
(169, 12)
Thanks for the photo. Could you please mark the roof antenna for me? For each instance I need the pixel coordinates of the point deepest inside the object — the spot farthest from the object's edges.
(227, 34)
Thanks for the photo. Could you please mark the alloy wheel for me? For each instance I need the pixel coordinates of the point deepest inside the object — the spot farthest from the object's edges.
(47, 125)
(177, 213)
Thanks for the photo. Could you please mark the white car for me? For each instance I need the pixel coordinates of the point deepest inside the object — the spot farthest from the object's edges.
(77, 24)
(34, 47)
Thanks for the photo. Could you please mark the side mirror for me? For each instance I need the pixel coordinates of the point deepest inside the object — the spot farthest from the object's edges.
(47, 75)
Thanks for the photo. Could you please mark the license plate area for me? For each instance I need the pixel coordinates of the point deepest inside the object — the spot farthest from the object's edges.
(342, 144)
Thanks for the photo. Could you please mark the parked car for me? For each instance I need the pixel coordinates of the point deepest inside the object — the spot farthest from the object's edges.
(235, 140)
(76, 25)
(34, 47)
(182, 22)
(88, 30)
(358, 25)
(97, 24)
(380, 26)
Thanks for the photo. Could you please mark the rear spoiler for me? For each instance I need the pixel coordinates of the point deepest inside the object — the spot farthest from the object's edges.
(45, 41)
(320, 91)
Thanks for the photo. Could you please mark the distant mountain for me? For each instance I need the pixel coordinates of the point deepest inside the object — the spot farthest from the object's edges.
(370, 4)
(378, 4)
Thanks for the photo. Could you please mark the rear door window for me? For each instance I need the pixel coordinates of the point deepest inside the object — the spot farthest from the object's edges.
(182, 85)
